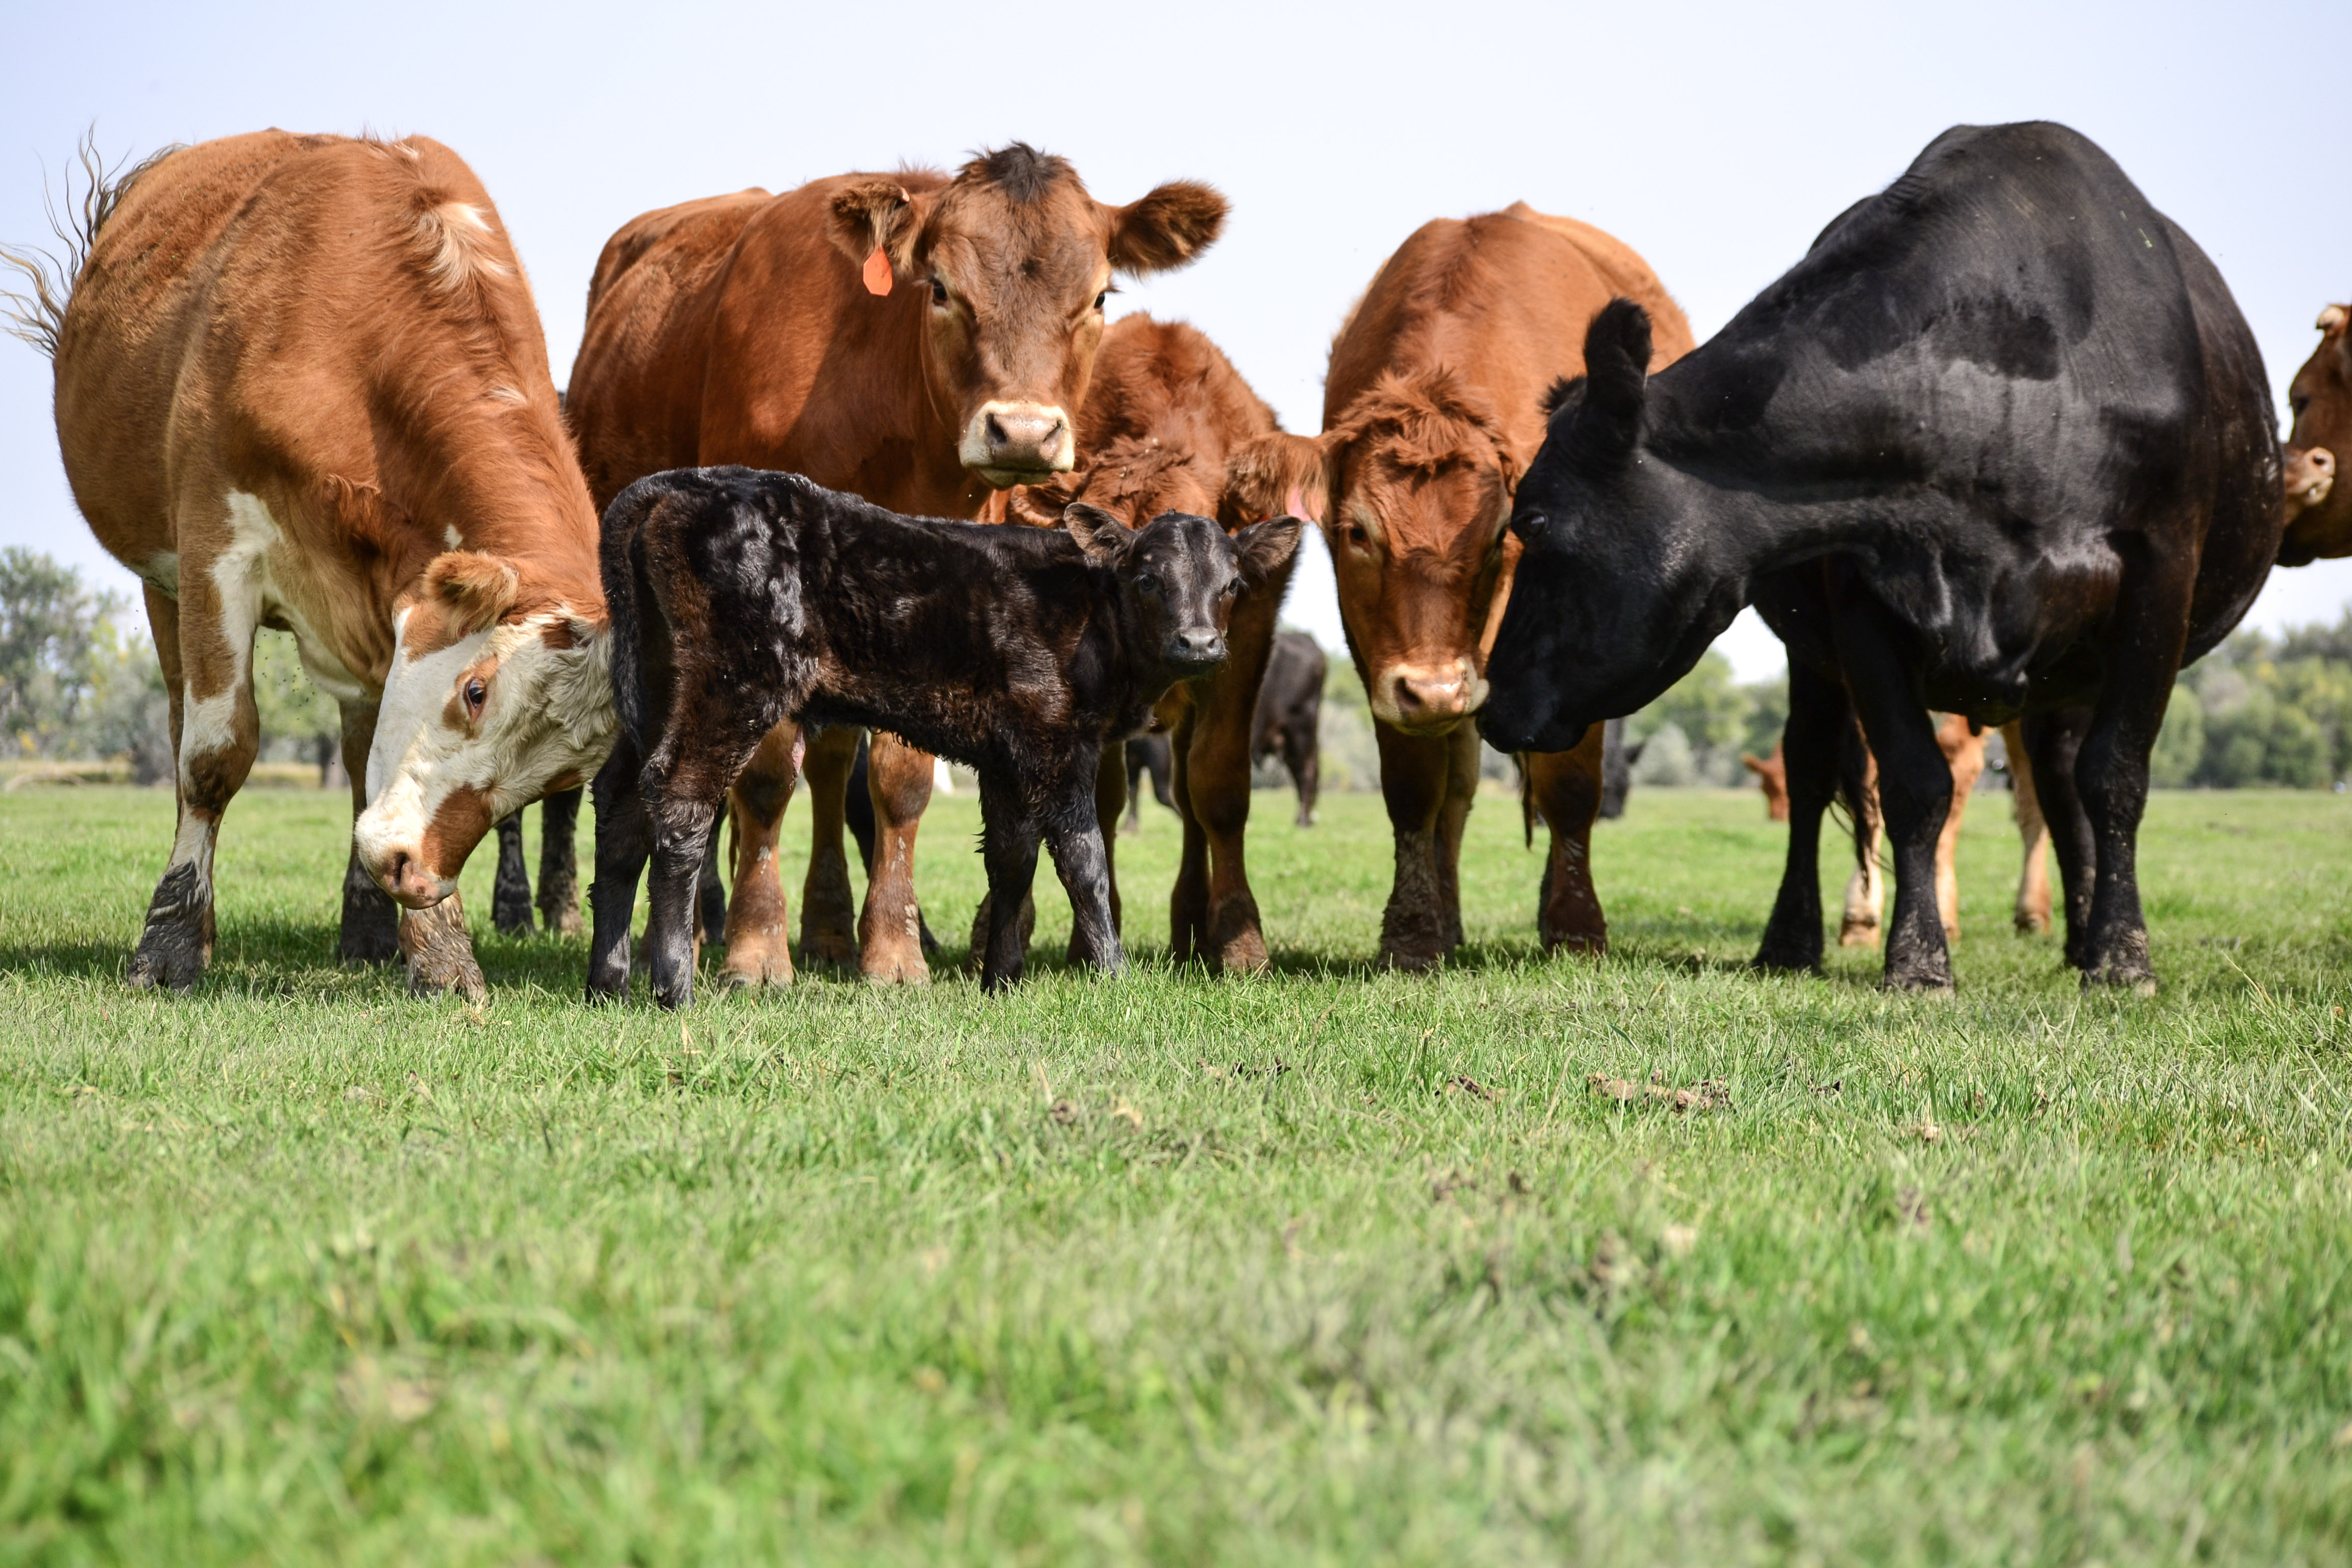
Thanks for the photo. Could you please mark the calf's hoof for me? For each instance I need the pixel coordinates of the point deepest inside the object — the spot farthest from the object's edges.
(978, 960)
(440, 953)
(756, 958)
(1855, 933)
(1919, 978)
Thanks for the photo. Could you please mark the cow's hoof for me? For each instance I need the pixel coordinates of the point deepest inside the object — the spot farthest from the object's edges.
(894, 965)
(1775, 958)
(1918, 979)
(1244, 953)
(177, 940)
(828, 947)
(751, 963)
(980, 918)
(1857, 933)
(1408, 960)
(565, 921)
(1589, 944)
(440, 953)
(2128, 970)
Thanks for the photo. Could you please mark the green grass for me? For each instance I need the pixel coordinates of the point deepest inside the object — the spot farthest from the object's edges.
(1170, 1269)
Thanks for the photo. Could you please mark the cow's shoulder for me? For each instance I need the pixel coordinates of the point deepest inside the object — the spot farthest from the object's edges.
(1626, 274)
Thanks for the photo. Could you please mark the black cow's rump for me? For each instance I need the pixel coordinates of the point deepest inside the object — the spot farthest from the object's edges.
(2000, 444)
(743, 600)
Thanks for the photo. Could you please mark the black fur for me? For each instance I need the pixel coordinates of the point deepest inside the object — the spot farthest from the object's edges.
(742, 599)
(1289, 717)
(2000, 444)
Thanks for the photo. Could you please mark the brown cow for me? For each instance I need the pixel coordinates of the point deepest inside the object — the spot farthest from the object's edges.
(300, 383)
(1169, 425)
(1433, 406)
(915, 339)
(1964, 752)
(2318, 510)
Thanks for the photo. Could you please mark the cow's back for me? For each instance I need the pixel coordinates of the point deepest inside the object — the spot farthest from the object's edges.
(635, 398)
(1501, 302)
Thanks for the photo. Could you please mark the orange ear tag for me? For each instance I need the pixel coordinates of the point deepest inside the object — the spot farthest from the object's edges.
(877, 272)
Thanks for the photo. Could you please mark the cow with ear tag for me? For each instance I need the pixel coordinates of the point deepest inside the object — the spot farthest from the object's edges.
(746, 603)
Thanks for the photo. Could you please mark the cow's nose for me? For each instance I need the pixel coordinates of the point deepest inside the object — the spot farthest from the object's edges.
(1427, 697)
(2310, 475)
(406, 878)
(1200, 645)
(1014, 439)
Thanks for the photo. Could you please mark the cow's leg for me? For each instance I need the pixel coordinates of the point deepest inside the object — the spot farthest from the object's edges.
(1915, 792)
(828, 907)
(1215, 786)
(1964, 754)
(1009, 849)
(1566, 789)
(1132, 759)
(890, 931)
(1818, 717)
(2053, 741)
(759, 951)
(371, 928)
(558, 862)
(1415, 772)
(858, 811)
(1082, 858)
(1188, 901)
(1461, 791)
(1304, 756)
(689, 775)
(1865, 890)
(1110, 800)
(2033, 876)
(510, 894)
(220, 730)
(710, 895)
(624, 838)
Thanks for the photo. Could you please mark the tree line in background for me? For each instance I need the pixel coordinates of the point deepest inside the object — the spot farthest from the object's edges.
(79, 680)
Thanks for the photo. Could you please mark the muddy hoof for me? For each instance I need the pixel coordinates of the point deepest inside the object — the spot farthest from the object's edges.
(440, 952)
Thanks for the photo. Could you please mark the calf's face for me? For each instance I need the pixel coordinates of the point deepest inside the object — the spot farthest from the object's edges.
(2318, 505)
(487, 709)
(1179, 575)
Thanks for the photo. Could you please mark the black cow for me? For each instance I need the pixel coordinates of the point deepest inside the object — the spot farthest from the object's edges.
(1148, 753)
(2000, 444)
(1289, 717)
(741, 600)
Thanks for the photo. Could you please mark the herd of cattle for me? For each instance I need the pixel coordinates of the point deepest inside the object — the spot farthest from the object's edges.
(1998, 447)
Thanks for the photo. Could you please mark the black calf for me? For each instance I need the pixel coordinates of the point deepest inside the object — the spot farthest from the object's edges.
(741, 600)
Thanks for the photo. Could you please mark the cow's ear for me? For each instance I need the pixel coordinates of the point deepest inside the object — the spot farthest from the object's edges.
(2333, 321)
(1166, 228)
(1264, 548)
(874, 215)
(1102, 536)
(1280, 475)
(475, 591)
(1608, 418)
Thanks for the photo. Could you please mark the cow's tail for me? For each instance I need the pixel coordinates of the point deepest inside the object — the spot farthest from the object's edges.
(1855, 792)
(635, 609)
(37, 312)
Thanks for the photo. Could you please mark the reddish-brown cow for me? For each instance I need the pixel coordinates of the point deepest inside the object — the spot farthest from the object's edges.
(2318, 509)
(912, 338)
(1169, 425)
(1433, 408)
(300, 383)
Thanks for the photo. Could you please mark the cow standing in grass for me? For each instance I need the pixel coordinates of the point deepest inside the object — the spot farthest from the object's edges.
(1432, 411)
(300, 384)
(915, 339)
(2001, 444)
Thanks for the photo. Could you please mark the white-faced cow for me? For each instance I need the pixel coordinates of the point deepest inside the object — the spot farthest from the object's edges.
(920, 340)
(2001, 444)
(300, 384)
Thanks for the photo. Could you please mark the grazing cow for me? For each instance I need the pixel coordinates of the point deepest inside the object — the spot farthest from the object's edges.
(2319, 510)
(1148, 754)
(748, 603)
(2001, 442)
(1432, 410)
(914, 339)
(1169, 425)
(300, 383)
(1290, 716)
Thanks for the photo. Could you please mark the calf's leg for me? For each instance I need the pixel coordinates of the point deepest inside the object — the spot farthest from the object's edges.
(623, 839)
(510, 894)
(1565, 787)
(1009, 849)
(558, 862)
(1074, 833)
(1865, 890)
(1964, 754)
(1819, 717)
(1304, 757)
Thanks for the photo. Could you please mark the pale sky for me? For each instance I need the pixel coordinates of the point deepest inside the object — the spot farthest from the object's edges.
(1716, 139)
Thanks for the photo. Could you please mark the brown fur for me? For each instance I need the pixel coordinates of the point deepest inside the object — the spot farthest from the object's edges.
(740, 330)
(1433, 408)
(405, 396)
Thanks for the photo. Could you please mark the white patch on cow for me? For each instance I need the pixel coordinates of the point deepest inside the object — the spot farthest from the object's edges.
(162, 569)
(193, 845)
(240, 577)
(456, 541)
(456, 239)
(506, 395)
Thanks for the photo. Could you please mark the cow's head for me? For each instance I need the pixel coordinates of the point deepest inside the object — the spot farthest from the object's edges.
(1622, 582)
(1179, 575)
(1012, 262)
(1411, 484)
(495, 696)
(2320, 510)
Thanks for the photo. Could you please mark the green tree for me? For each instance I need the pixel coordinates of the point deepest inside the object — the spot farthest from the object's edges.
(298, 722)
(2180, 745)
(47, 619)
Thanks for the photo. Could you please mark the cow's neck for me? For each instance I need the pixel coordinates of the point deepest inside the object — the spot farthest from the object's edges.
(498, 479)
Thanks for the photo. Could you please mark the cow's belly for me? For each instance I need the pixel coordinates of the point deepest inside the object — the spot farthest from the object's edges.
(266, 575)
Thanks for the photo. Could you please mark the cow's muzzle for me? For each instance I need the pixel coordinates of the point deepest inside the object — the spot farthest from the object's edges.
(412, 883)
(2310, 478)
(1427, 699)
(1018, 443)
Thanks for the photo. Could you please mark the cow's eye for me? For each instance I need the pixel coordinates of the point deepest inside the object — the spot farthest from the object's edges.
(476, 693)
(1529, 526)
(2299, 405)
(939, 292)
(1145, 583)
(1102, 300)
(1233, 586)
(1358, 536)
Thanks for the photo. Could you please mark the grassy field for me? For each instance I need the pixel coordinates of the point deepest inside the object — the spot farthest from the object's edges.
(1325, 1267)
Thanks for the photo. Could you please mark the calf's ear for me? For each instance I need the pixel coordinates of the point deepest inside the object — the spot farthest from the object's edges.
(1263, 548)
(1166, 228)
(1276, 475)
(1102, 536)
(1607, 420)
(475, 591)
(867, 215)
